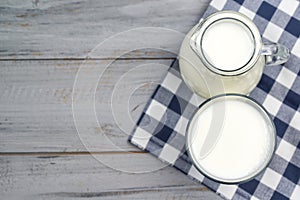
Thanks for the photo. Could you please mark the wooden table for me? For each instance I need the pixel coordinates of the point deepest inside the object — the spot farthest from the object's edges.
(44, 154)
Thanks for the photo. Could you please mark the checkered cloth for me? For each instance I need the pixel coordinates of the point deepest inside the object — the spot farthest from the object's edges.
(161, 128)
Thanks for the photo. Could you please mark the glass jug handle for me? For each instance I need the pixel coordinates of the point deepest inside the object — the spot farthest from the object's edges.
(275, 54)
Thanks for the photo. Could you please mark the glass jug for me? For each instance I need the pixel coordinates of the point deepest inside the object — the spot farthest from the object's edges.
(224, 53)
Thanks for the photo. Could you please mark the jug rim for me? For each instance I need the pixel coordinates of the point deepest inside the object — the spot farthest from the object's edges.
(215, 17)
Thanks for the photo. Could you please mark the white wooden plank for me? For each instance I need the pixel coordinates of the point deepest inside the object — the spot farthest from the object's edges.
(83, 176)
(36, 101)
(170, 193)
(71, 29)
(36, 104)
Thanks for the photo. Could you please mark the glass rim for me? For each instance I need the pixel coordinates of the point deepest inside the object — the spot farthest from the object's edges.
(251, 175)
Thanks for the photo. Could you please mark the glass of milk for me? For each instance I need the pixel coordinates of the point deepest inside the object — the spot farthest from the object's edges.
(231, 138)
(224, 53)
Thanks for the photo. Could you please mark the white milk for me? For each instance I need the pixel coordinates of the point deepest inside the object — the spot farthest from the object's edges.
(207, 83)
(244, 143)
(228, 44)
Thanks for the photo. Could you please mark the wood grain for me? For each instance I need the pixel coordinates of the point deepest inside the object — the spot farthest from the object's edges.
(43, 45)
(85, 177)
(71, 29)
(36, 104)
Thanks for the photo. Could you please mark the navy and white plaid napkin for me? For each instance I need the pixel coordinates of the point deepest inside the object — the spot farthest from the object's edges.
(161, 128)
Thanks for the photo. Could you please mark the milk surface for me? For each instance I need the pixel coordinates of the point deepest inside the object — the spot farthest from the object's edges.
(244, 143)
(228, 44)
